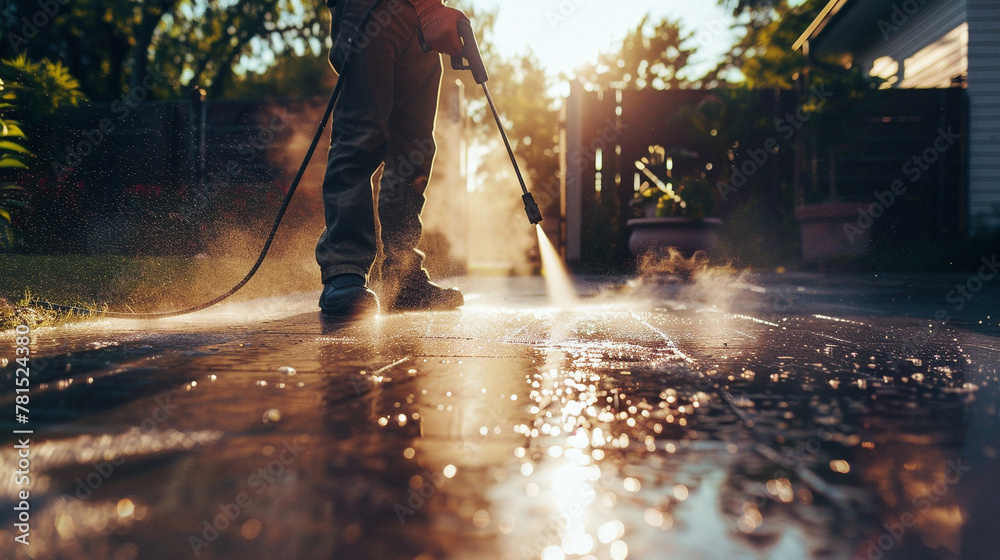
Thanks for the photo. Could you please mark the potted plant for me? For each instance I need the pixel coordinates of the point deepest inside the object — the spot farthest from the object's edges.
(824, 208)
(669, 212)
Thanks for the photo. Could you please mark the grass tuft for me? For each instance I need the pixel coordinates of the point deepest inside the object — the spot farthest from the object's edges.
(103, 283)
(28, 312)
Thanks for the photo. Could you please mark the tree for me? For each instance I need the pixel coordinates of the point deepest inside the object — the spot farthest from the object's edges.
(527, 106)
(209, 42)
(97, 41)
(741, 7)
(763, 57)
(827, 92)
(291, 75)
(649, 57)
(110, 46)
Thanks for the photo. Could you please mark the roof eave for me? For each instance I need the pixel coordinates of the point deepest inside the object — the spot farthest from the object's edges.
(819, 24)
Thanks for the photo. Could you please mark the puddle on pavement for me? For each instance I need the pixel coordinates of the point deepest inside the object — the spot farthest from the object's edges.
(604, 431)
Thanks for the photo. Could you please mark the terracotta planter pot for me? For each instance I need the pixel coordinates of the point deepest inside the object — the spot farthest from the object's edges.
(685, 234)
(824, 235)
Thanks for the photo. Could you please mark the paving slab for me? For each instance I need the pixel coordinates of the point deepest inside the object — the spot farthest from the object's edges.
(768, 416)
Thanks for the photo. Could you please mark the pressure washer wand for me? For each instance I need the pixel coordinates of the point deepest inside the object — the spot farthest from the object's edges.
(470, 53)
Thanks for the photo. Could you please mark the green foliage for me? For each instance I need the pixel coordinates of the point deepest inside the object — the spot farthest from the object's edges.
(696, 199)
(650, 56)
(764, 57)
(12, 158)
(212, 42)
(94, 39)
(45, 90)
(527, 106)
(291, 76)
(829, 93)
(11, 198)
(662, 196)
(752, 7)
(37, 96)
(110, 46)
(12, 153)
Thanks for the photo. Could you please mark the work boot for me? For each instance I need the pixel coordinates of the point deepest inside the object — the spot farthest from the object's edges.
(418, 293)
(345, 296)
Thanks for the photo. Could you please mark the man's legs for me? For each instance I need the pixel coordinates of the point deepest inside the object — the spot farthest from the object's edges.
(408, 162)
(359, 140)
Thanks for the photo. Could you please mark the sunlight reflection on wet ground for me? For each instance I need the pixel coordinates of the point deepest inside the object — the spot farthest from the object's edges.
(647, 427)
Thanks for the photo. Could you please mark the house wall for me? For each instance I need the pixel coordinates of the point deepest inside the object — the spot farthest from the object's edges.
(984, 112)
(939, 63)
(924, 49)
(936, 43)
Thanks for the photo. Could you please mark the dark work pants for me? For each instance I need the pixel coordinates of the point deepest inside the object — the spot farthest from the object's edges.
(385, 114)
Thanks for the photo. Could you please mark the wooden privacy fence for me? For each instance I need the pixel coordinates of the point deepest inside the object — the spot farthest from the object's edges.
(162, 177)
(157, 177)
(767, 152)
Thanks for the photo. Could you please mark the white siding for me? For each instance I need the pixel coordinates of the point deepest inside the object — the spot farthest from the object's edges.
(942, 40)
(933, 33)
(984, 111)
(935, 65)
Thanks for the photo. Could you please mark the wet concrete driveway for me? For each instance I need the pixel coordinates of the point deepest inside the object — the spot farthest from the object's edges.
(781, 418)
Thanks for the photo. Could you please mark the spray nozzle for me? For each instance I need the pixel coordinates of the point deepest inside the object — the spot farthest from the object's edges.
(531, 208)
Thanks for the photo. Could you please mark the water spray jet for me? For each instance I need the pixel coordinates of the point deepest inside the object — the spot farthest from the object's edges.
(557, 280)
(558, 284)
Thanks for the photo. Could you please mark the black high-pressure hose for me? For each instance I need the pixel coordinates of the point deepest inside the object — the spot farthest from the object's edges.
(270, 237)
(253, 269)
(470, 53)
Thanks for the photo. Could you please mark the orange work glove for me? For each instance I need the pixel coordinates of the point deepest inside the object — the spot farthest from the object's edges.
(439, 25)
